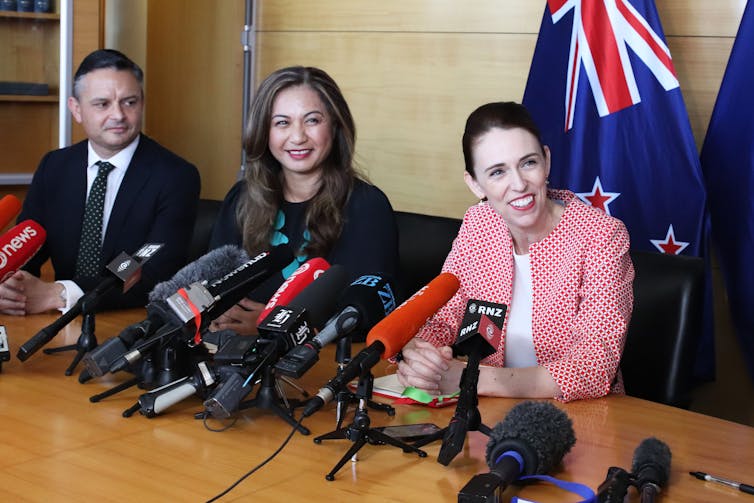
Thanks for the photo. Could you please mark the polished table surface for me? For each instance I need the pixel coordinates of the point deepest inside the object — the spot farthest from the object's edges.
(57, 446)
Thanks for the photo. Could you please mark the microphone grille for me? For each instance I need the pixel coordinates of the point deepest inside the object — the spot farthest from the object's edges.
(540, 428)
(652, 461)
(213, 264)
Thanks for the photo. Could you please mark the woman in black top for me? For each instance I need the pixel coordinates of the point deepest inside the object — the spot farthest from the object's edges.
(300, 188)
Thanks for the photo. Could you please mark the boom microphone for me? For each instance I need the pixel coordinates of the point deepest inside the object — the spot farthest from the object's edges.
(201, 302)
(216, 263)
(9, 208)
(296, 282)
(651, 468)
(389, 336)
(366, 301)
(18, 245)
(532, 439)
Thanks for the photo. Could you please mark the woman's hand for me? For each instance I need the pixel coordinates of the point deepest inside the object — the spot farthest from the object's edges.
(429, 368)
(241, 318)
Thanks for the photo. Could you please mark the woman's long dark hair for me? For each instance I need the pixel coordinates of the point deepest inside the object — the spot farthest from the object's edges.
(264, 176)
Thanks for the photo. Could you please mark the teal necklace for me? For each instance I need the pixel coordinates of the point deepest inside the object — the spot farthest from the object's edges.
(278, 238)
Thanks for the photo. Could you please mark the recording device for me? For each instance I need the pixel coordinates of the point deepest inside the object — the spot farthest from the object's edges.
(285, 327)
(650, 471)
(4, 348)
(651, 468)
(389, 336)
(218, 262)
(19, 245)
(10, 206)
(124, 269)
(296, 282)
(365, 302)
(531, 439)
(194, 307)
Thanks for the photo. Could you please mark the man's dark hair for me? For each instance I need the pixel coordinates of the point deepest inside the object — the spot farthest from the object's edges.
(105, 58)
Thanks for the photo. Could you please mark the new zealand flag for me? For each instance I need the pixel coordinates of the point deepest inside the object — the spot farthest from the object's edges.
(604, 92)
(728, 163)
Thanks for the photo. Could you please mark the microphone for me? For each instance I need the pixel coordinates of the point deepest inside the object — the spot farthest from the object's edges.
(9, 208)
(124, 268)
(218, 262)
(201, 302)
(651, 468)
(389, 336)
(18, 245)
(296, 282)
(479, 337)
(531, 439)
(291, 325)
(365, 302)
(158, 400)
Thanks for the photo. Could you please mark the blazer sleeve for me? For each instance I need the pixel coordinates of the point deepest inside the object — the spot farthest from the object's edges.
(599, 328)
(33, 209)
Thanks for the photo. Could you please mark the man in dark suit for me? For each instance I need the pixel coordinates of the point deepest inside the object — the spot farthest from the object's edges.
(146, 194)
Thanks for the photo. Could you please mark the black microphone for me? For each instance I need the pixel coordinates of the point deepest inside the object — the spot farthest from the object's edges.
(125, 269)
(215, 263)
(531, 439)
(364, 303)
(283, 328)
(478, 337)
(651, 468)
(201, 302)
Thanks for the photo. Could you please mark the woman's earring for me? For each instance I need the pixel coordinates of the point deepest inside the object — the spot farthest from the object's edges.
(547, 182)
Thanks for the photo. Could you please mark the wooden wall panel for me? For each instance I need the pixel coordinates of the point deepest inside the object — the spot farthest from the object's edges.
(410, 106)
(88, 28)
(478, 16)
(413, 71)
(194, 69)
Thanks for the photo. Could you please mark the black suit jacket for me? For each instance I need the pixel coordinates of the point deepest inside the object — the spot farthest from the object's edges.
(156, 202)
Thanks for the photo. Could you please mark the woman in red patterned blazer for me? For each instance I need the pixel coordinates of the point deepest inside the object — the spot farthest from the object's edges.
(562, 268)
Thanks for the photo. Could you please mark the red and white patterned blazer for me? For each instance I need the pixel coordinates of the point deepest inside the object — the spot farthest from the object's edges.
(582, 279)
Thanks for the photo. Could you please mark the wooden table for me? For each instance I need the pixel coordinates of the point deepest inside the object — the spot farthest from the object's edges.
(57, 446)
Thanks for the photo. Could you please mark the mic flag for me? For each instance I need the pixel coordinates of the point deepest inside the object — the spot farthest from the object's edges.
(18, 245)
(9, 208)
(481, 328)
(296, 282)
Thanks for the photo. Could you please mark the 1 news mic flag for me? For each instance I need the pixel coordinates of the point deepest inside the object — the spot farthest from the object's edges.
(603, 90)
(728, 165)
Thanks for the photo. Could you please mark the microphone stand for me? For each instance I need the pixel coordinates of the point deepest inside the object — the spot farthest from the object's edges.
(359, 431)
(466, 418)
(346, 397)
(269, 397)
(86, 342)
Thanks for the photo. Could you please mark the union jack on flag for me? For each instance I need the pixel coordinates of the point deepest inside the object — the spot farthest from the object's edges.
(601, 34)
(603, 90)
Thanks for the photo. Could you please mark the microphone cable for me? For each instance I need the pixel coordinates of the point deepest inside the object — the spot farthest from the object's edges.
(260, 465)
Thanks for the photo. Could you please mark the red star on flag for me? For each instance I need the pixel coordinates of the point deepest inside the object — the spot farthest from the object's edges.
(598, 197)
(670, 244)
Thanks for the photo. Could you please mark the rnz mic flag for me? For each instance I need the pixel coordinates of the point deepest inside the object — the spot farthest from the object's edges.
(728, 164)
(604, 92)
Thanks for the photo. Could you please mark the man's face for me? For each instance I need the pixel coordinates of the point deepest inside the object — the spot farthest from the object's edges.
(110, 106)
